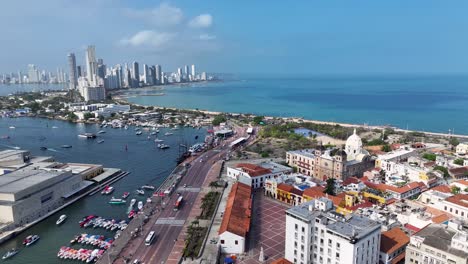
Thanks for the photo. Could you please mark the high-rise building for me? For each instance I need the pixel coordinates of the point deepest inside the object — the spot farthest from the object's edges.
(136, 74)
(79, 72)
(179, 72)
(158, 75)
(146, 73)
(72, 70)
(20, 77)
(193, 72)
(203, 76)
(162, 78)
(91, 64)
(317, 234)
(439, 243)
(186, 71)
(152, 71)
(33, 74)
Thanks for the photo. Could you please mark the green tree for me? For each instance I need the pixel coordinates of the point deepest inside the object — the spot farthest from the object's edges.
(429, 156)
(454, 141)
(330, 187)
(443, 170)
(386, 148)
(218, 120)
(258, 119)
(72, 117)
(458, 162)
(455, 190)
(88, 115)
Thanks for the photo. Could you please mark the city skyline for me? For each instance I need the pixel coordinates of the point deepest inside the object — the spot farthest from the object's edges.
(320, 38)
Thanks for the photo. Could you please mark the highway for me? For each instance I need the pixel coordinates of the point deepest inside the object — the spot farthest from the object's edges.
(168, 223)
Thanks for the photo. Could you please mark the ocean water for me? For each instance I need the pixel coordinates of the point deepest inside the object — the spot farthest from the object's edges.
(428, 103)
(6, 89)
(146, 164)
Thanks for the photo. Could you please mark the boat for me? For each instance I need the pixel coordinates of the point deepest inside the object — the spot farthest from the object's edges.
(117, 201)
(43, 148)
(131, 214)
(153, 133)
(132, 202)
(12, 127)
(163, 146)
(61, 219)
(54, 127)
(66, 146)
(140, 192)
(148, 187)
(140, 205)
(87, 135)
(148, 200)
(32, 240)
(158, 140)
(125, 127)
(168, 133)
(138, 133)
(100, 141)
(10, 253)
(101, 132)
(107, 190)
(125, 195)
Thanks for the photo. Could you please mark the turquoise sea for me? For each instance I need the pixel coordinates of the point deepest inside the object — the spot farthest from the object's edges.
(428, 103)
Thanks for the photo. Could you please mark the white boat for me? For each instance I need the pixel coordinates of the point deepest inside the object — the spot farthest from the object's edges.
(132, 202)
(140, 205)
(148, 187)
(168, 133)
(12, 127)
(140, 192)
(101, 132)
(138, 133)
(153, 133)
(100, 141)
(33, 240)
(163, 146)
(10, 253)
(148, 200)
(125, 127)
(61, 219)
(158, 140)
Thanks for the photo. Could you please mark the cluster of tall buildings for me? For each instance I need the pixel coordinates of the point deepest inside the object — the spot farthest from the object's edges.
(95, 78)
(35, 75)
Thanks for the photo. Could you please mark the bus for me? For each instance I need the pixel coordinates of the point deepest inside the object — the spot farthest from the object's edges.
(149, 239)
(178, 203)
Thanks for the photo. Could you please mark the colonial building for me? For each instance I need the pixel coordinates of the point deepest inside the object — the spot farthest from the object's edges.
(335, 163)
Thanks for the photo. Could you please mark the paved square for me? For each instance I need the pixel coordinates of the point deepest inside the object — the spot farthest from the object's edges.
(267, 230)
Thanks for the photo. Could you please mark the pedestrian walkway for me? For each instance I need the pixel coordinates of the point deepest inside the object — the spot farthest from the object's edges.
(213, 174)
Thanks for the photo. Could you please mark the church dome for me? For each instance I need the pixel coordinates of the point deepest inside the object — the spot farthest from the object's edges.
(354, 141)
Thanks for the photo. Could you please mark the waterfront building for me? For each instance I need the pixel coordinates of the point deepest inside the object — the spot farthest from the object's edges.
(193, 72)
(255, 175)
(146, 74)
(236, 220)
(158, 74)
(203, 76)
(335, 163)
(393, 246)
(91, 64)
(316, 234)
(79, 72)
(33, 74)
(94, 93)
(186, 72)
(438, 243)
(462, 149)
(135, 75)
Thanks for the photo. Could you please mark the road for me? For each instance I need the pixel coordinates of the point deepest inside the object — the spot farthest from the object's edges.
(168, 223)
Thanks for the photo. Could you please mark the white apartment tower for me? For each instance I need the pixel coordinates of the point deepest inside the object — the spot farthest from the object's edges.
(91, 64)
(193, 72)
(317, 234)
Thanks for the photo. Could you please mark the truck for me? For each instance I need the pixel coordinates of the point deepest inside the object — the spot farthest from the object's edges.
(178, 203)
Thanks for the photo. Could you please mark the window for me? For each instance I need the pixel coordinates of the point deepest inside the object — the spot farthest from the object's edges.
(337, 255)
(236, 242)
(47, 197)
(222, 241)
(337, 245)
(295, 227)
(303, 229)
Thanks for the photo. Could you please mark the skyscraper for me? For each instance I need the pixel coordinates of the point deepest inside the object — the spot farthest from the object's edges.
(152, 70)
(158, 74)
(145, 74)
(72, 68)
(33, 74)
(91, 64)
(79, 72)
(193, 72)
(136, 74)
(186, 71)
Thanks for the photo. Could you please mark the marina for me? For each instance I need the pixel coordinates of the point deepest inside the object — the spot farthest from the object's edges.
(138, 159)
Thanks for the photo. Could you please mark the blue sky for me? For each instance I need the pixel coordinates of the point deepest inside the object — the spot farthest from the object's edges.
(290, 37)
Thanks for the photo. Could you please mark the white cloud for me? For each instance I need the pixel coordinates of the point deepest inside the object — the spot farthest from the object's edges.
(201, 21)
(149, 38)
(206, 37)
(164, 15)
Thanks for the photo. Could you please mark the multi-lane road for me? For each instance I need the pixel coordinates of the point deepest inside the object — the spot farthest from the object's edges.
(168, 223)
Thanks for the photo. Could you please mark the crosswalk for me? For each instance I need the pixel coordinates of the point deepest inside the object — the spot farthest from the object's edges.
(188, 189)
(170, 221)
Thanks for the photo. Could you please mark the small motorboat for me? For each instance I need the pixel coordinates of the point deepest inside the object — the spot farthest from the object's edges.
(12, 127)
(158, 140)
(87, 135)
(107, 190)
(138, 133)
(32, 240)
(148, 187)
(140, 205)
(125, 195)
(163, 146)
(131, 214)
(66, 146)
(132, 202)
(100, 141)
(125, 127)
(10, 253)
(117, 201)
(43, 148)
(148, 200)
(168, 134)
(101, 132)
(61, 219)
(154, 133)
(140, 192)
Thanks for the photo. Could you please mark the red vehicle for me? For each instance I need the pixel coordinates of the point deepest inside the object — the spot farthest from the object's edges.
(178, 203)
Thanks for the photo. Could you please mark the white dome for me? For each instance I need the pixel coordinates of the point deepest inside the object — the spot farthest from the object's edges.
(353, 146)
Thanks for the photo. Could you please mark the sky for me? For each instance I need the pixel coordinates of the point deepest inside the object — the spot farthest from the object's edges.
(264, 37)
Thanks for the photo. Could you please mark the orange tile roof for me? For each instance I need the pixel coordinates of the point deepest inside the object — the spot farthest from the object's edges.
(314, 192)
(392, 240)
(459, 172)
(464, 182)
(281, 261)
(237, 214)
(285, 187)
(440, 219)
(459, 199)
(442, 188)
(253, 170)
(384, 187)
(399, 258)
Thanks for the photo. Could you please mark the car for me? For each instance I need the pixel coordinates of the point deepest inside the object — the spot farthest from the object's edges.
(201, 160)
(136, 261)
(185, 185)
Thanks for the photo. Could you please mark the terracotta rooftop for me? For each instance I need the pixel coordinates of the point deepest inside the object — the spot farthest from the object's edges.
(384, 187)
(351, 180)
(285, 187)
(459, 199)
(392, 240)
(281, 261)
(237, 215)
(440, 219)
(463, 182)
(252, 169)
(442, 189)
(459, 172)
(314, 192)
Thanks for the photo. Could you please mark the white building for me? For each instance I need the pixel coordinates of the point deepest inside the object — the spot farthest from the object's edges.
(93, 93)
(439, 244)
(462, 149)
(315, 234)
(108, 110)
(255, 175)
(456, 205)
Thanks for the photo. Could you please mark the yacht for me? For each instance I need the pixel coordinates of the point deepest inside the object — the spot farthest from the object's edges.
(163, 146)
(87, 135)
(10, 253)
(66, 146)
(138, 133)
(158, 140)
(31, 240)
(100, 141)
(140, 192)
(101, 132)
(61, 219)
(132, 202)
(140, 205)
(117, 201)
(168, 133)
(148, 187)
